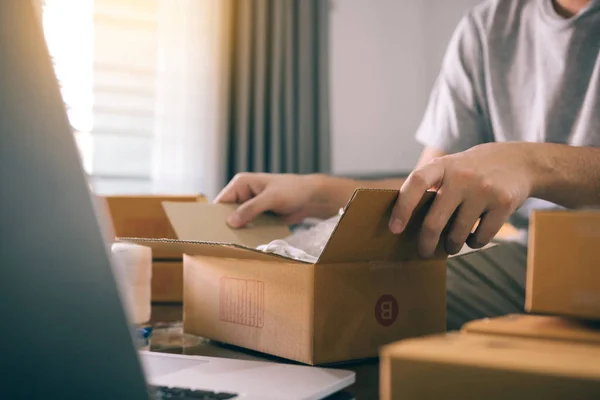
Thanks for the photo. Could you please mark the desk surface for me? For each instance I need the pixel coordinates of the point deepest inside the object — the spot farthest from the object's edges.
(168, 337)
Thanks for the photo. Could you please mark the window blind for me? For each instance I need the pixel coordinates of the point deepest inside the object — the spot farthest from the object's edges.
(105, 54)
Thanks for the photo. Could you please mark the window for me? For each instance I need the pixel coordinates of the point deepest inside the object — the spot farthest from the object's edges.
(105, 56)
(143, 82)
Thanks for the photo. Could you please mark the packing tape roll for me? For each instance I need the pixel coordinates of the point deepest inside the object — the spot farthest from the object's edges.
(133, 265)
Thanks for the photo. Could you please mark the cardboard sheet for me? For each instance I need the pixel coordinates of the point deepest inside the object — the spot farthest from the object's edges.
(206, 222)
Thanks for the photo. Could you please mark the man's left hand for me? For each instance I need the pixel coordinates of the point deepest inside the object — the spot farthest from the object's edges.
(487, 182)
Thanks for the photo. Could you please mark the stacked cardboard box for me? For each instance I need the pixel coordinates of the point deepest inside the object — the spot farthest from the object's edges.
(563, 271)
(144, 217)
(484, 366)
(551, 356)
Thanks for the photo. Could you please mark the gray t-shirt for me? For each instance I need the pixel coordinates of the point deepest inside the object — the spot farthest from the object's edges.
(517, 71)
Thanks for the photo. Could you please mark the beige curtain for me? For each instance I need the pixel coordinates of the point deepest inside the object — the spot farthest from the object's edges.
(191, 96)
(278, 113)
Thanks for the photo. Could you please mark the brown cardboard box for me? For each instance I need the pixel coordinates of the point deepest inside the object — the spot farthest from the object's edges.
(563, 272)
(537, 327)
(144, 217)
(368, 287)
(167, 281)
(472, 366)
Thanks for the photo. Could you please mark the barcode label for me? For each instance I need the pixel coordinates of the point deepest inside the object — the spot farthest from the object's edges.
(242, 302)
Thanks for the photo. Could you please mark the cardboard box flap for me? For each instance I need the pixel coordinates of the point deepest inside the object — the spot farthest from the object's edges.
(209, 249)
(363, 234)
(206, 222)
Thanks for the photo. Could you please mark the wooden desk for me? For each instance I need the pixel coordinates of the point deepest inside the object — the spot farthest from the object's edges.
(168, 337)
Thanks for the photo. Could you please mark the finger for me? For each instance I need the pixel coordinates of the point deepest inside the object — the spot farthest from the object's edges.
(462, 225)
(249, 210)
(237, 191)
(487, 229)
(411, 193)
(445, 204)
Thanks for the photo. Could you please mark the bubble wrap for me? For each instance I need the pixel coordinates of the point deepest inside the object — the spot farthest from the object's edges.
(307, 241)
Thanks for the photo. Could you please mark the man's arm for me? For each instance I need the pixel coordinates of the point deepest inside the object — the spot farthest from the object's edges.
(565, 175)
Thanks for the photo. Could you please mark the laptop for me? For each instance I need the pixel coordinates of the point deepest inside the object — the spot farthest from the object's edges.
(64, 332)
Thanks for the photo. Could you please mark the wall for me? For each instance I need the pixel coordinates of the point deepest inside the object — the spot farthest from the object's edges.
(385, 56)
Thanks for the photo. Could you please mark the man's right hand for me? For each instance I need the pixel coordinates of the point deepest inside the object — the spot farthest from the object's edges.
(294, 197)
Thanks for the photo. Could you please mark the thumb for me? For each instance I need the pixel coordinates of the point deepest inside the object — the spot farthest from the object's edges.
(248, 211)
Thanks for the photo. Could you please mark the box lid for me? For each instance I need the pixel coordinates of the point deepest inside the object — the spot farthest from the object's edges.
(362, 234)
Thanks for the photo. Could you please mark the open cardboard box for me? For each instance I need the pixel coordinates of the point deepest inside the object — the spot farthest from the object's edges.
(368, 287)
(143, 216)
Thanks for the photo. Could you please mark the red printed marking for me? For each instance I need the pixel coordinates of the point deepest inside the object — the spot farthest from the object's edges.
(242, 302)
(386, 310)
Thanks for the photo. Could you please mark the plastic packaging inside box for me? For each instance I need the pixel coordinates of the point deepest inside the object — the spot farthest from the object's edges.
(307, 241)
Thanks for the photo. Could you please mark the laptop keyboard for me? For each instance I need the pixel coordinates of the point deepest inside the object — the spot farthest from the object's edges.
(163, 392)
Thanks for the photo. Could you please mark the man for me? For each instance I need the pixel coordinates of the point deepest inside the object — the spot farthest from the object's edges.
(513, 124)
